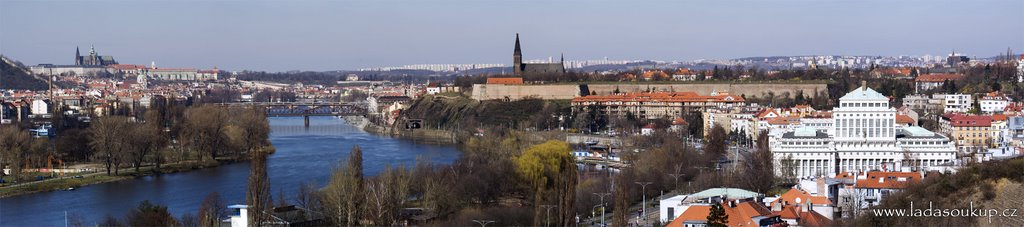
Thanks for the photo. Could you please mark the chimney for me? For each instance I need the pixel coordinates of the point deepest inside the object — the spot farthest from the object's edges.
(777, 206)
(806, 206)
(864, 85)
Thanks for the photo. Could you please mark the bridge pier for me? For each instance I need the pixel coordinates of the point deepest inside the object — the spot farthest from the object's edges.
(305, 119)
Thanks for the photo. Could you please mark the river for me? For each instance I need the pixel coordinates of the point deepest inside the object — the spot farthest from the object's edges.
(303, 155)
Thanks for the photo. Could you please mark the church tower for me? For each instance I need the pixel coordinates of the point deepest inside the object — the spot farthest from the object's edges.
(517, 59)
(78, 56)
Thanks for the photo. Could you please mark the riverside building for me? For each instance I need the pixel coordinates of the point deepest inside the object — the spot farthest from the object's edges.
(864, 137)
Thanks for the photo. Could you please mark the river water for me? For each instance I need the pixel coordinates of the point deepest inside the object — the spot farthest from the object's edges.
(303, 155)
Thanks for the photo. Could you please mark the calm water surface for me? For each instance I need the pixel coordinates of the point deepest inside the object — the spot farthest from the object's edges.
(303, 155)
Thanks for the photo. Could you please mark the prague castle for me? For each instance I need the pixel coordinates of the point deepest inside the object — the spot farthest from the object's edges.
(93, 59)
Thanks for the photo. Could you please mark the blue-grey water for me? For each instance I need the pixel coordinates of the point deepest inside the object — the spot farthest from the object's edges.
(303, 155)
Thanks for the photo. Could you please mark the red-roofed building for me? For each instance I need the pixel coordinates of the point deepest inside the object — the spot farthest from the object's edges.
(748, 213)
(870, 188)
(505, 80)
(934, 80)
(904, 120)
(972, 131)
(652, 105)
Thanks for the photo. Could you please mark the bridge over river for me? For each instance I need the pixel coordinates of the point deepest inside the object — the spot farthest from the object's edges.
(307, 109)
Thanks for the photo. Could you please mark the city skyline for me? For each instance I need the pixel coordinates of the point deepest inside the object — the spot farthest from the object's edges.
(350, 35)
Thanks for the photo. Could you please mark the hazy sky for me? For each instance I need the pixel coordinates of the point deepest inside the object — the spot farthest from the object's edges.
(329, 35)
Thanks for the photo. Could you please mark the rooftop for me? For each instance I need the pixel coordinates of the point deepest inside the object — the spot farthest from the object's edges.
(864, 93)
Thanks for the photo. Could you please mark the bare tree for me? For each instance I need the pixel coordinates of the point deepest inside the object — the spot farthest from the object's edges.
(343, 197)
(386, 194)
(212, 210)
(109, 140)
(258, 195)
(15, 145)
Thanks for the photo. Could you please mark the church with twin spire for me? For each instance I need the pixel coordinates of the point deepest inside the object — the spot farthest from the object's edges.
(519, 68)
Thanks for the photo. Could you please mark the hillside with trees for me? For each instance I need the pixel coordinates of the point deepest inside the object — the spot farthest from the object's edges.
(17, 77)
(993, 185)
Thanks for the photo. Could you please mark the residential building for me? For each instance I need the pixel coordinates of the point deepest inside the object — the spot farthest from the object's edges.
(740, 213)
(925, 103)
(993, 103)
(672, 207)
(960, 103)
(871, 188)
(653, 105)
(934, 80)
(40, 107)
(505, 80)
(970, 132)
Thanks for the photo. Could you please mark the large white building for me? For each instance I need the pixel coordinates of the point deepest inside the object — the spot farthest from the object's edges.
(864, 136)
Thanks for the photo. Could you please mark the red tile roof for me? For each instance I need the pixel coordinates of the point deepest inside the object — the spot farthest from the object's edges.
(505, 80)
(958, 120)
(660, 97)
(694, 213)
(999, 117)
(895, 180)
(938, 77)
(791, 196)
(742, 214)
(904, 119)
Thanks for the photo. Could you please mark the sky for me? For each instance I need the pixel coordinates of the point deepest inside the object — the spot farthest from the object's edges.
(338, 35)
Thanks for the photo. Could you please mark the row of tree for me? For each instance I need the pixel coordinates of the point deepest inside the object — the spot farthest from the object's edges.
(158, 135)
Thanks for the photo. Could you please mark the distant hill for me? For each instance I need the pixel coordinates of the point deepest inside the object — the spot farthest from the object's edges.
(15, 76)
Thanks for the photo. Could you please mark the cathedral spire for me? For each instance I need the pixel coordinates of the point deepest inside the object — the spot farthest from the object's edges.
(518, 51)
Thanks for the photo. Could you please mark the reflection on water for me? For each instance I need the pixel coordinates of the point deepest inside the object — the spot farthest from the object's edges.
(303, 155)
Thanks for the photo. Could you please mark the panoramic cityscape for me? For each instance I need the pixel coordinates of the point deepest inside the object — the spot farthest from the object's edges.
(532, 113)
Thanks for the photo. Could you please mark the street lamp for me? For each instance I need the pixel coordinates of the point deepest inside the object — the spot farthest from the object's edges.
(602, 195)
(483, 223)
(547, 214)
(643, 206)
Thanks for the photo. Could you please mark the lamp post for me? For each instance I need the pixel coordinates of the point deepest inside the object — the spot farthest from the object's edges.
(483, 223)
(643, 206)
(602, 195)
(676, 176)
(547, 214)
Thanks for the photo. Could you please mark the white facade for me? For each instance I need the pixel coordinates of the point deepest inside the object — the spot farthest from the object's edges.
(40, 107)
(993, 104)
(958, 103)
(239, 216)
(864, 137)
(671, 208)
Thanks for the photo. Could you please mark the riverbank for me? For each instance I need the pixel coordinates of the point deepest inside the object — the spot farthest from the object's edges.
(70, 182)
(432, 136)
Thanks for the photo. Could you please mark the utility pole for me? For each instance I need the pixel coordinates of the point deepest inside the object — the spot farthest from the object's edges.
(643, 204)
(483, 223)
(602, 195)
(547, 213)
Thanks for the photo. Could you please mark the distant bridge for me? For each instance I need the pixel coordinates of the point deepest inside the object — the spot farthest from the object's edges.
(307, 109)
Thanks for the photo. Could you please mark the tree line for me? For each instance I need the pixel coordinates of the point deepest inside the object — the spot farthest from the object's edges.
(197, 135)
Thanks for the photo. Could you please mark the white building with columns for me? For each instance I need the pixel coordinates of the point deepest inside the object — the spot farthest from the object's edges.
(864, 137)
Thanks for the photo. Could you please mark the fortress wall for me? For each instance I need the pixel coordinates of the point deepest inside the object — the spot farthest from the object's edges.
(569, 91)
(706, 89)
(514, 92)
